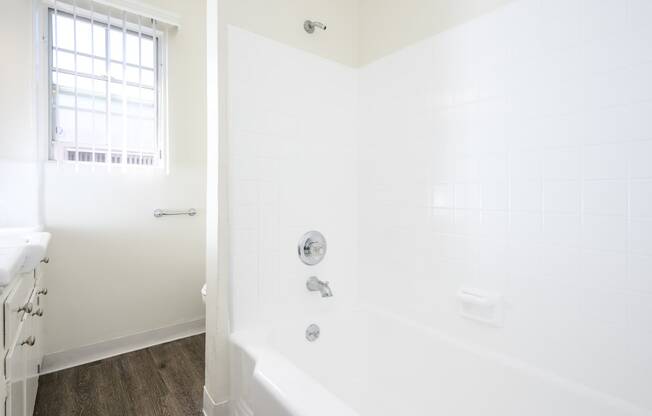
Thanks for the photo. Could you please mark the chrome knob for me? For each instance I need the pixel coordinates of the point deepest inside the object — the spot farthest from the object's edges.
(30, 340)
(45, 260)
(317, 249)
(38, 312)
(312, 332)
(43, 291)
(312, 248)
(28, 307)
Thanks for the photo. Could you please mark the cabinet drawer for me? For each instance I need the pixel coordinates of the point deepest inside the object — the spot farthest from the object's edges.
(38, 274)
(12, 308)
(15, 374)
(33, 356)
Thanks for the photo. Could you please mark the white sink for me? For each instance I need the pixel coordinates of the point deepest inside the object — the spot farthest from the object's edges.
(21, 251)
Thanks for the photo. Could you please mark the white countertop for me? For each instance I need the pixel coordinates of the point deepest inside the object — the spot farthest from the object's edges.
(21, 250)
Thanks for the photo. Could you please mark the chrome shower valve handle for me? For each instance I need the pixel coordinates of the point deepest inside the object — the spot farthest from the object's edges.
(312, 248)
(316, 249)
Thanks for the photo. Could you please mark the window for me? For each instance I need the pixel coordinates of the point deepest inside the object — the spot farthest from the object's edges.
(105, 88)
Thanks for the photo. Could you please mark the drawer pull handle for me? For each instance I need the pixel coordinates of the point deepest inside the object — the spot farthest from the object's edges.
(45, 260)
(38, 312)
(28, 307)
(43, 291)
(30, 340)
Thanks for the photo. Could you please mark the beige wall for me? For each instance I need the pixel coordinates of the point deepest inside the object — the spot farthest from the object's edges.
(19, 173)
(116, 270)
(282, 20)
(17, 132)
(359, 31)
(388, 25)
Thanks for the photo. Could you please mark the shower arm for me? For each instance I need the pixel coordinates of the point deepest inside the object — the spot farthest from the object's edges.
(310, 26)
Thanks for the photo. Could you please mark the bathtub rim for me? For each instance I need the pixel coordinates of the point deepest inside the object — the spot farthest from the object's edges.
(290, 386)
(254, 342)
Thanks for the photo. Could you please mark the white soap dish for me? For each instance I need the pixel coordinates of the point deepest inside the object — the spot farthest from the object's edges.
(481, 306)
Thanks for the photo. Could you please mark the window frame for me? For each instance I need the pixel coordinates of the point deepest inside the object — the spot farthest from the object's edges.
(159, 69)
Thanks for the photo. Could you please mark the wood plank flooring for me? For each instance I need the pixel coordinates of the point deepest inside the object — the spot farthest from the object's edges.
(164, 380)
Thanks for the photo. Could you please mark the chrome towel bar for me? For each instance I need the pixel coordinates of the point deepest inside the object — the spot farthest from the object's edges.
(164, 212)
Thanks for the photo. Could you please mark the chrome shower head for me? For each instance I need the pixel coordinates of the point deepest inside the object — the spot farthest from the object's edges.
(310, 26)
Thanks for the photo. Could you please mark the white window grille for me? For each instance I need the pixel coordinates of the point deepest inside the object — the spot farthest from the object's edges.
(106, 86)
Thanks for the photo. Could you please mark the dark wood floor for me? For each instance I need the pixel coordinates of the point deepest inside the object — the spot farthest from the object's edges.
(165, 380)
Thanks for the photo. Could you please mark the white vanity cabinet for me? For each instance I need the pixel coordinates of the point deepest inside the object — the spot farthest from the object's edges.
(34, 358)
(22, 336)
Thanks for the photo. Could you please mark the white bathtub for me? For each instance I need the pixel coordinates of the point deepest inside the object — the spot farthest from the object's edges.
(368, 363)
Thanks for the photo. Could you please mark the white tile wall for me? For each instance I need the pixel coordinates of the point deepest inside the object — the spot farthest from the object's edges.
(292, 169)
(640, 198)
(512, 154)
(605, 197)
(525, 137)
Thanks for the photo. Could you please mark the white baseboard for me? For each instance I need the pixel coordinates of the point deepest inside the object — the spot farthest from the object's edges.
(215, 409)
(89, 353)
